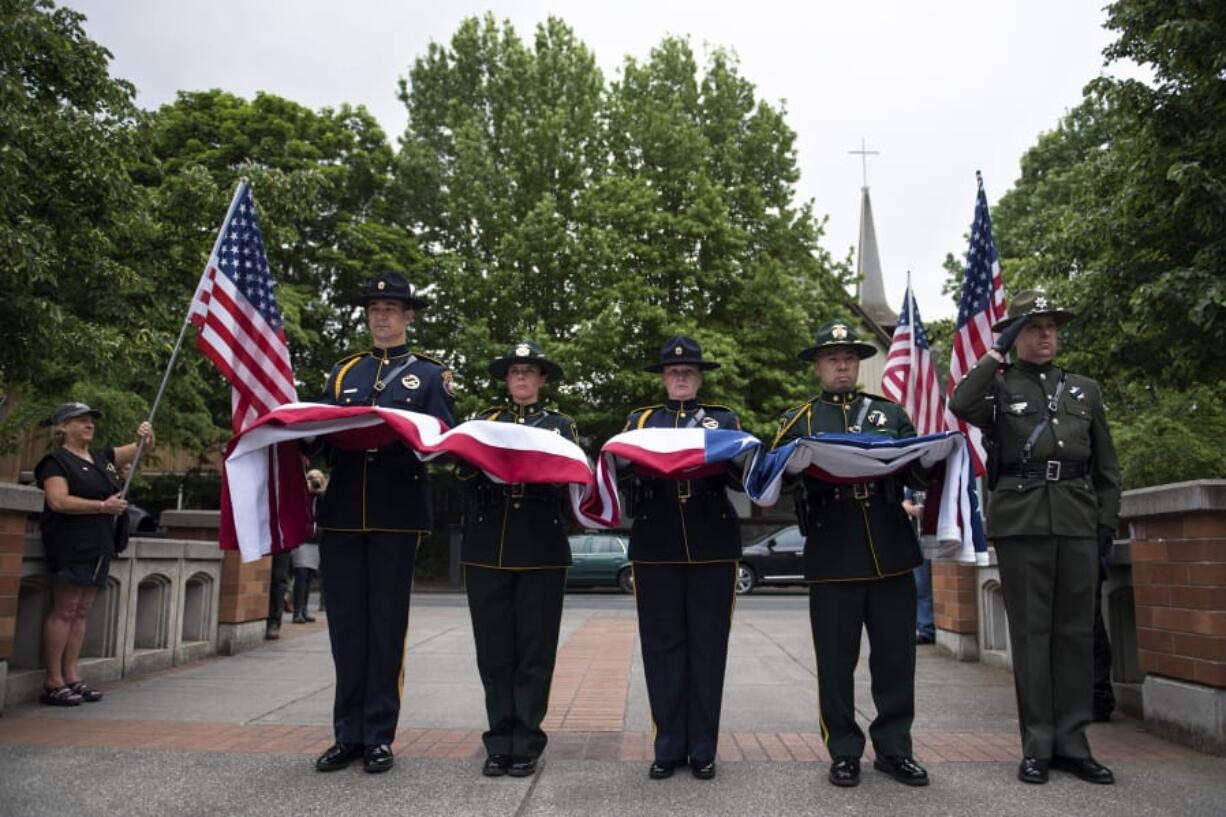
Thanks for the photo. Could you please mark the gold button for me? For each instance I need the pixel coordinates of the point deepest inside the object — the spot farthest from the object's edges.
(515, 505)
(683, 414)
(519, 420)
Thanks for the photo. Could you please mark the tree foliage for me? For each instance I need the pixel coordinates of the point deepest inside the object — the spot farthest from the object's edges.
(1120, 212)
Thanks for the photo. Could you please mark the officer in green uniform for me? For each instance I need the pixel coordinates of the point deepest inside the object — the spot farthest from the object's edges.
(685, 544)
(515, 554)
(860, 551)
(377, 508)
(1056, 493)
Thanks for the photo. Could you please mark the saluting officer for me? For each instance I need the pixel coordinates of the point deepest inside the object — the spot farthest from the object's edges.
(860, 551)
(1054, 502)
(515, 554)
(685, 544)
(376, 510)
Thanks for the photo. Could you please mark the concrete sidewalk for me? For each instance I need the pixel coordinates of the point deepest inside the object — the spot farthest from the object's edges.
(237, 736)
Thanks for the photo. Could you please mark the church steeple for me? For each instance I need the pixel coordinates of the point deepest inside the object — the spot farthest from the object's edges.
(870, 286)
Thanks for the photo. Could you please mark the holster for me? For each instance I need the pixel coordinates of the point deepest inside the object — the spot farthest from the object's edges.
(800, 502)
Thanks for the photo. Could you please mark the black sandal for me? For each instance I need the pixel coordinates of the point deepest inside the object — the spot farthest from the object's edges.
(60, 696)
(87, 693)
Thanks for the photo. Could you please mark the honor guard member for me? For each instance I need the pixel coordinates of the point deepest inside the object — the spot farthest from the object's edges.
(684, 544)
(372, 519)
(515, 554)
(860, 551)
(1055, 494)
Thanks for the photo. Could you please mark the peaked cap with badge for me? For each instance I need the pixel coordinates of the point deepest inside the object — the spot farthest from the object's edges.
(525, 352)
(837, 333)
(681, 350)
(390, 286)
(1033, 303)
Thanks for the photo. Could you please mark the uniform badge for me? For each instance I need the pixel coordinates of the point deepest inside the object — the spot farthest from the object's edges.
(382, 285)
(448, 382)
(1077, 392)
(877, 418)
(678, 351)
(522, 350)
(1040, 302)
(1017, 408)
(839, 332)
(410, 381)
(710, 422)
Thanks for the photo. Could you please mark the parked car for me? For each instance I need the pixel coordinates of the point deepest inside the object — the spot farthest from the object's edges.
(600, 561)
(775, 559)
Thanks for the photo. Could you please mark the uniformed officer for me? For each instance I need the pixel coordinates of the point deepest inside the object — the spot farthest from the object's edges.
(372, 519)
(860, 551)
(1055, 496)
(515, 554)
(684, 544)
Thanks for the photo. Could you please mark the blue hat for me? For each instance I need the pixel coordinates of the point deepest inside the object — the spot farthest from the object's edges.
(390, 286)
(681, 350)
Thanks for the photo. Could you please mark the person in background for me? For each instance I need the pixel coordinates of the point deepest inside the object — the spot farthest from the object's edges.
(305, 557)
(83, 508)
(925, 623)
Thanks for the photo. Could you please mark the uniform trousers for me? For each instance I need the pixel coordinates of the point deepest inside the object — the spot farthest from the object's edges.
(685, 616)
(1048, 585)
(516, 617)
(369, 579)
(838, 613)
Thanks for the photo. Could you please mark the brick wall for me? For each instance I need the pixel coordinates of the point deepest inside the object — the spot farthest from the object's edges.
(1179, 586)
(12, 540)
(954, 603)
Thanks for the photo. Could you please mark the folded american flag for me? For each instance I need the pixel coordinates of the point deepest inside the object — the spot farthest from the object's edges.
(861, 457)
(505, 452)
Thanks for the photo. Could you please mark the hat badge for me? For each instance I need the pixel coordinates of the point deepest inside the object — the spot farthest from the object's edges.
(678, 351)
(522, 350)
(1040, 302)
(382, 285)
(839, 332)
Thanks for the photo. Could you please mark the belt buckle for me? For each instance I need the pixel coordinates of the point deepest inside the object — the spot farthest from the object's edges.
(683, 490)
(859, 490)
(1052, 474)
(517, 489)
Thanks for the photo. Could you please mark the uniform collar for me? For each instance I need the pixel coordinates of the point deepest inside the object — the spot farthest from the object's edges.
(1032, 368)
(840, 399)
(681, 405)
(527, 411)
(390, 353)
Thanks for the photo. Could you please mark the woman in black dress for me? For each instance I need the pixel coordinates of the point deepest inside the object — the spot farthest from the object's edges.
(82, 501)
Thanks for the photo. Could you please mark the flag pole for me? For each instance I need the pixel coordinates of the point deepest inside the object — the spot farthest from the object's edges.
(912, 382)
(243, 183)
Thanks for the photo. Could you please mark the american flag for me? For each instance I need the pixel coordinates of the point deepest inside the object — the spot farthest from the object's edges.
(240, 328)
(909, 377)
(981, 305)
(239, 322)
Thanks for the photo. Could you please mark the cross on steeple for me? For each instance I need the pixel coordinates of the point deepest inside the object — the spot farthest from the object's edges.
(864, 153)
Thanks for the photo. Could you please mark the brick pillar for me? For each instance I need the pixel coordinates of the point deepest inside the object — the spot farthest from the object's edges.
(955, 607)
(17, 504)
(1179, 587)
(243, 607)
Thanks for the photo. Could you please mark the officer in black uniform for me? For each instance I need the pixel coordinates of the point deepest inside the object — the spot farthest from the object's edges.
(376, 510)
(515, 554)
(685, 544)
(860, 551)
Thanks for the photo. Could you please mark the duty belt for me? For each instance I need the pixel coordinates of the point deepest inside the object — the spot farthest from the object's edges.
(1052, 470)
(685, 488)
(845, 492)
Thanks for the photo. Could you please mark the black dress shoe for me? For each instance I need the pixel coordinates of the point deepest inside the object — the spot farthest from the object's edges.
(903, 769)
(845, 771)
(338, 756)
(1032, 770)
(378, 758)
(1087, 768)
(662, 769)
(703, 770)
(522, 767)
(924, 638)
(496, 765)
(299, 618)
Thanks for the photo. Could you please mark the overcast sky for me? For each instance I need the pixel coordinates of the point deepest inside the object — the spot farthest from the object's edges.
(940, 88)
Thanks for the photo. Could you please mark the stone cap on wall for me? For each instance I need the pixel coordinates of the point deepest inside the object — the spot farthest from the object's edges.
(190, 519)
(23, 498)
(1174, 498)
